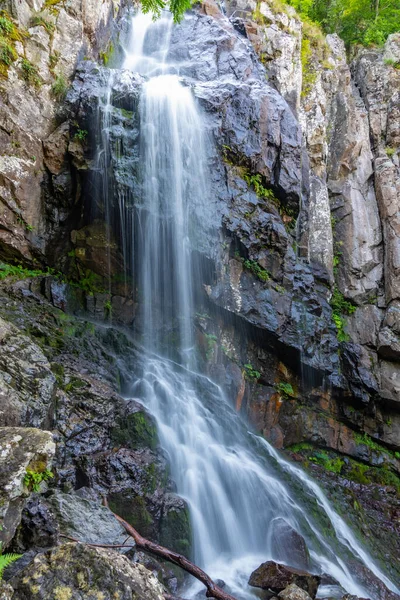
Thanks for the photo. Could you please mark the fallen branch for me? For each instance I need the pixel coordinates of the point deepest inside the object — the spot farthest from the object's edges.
(213, 590)
(68, 537)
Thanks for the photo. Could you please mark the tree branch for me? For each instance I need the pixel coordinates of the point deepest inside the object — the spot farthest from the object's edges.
(213, 590)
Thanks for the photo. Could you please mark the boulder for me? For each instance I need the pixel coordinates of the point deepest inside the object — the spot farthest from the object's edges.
(273, 576)
(85, 519)
(20, 449)
(287, 543)
(78, 572)
(27, 383)
(293, 592)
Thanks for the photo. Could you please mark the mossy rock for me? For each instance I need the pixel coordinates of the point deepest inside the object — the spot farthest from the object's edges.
(134, 431)
(134, 510)
(175, 529)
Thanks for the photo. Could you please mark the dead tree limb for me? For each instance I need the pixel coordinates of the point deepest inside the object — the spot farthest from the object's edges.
(68, 537)
(213, 590)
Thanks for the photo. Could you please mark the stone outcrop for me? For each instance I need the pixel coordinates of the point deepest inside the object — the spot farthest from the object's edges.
(74, 571)
(51, 38)
(22, 450)
(275, 577)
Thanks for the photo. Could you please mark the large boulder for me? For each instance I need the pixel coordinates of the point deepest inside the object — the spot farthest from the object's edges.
(21, 449)
(77, 572)
(27, 384)
(273, 576)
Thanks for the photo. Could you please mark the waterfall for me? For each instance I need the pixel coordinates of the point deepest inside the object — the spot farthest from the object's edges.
(238, 488)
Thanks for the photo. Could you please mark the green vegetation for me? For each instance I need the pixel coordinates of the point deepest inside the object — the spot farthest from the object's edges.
(108, 308)
(9, 34)
(211, 342)
(39, 20)
(33, 479)
(390, 62)
(177, 7)
(256, 182)
(135, 431)
(6, 560)
(258, 271)
(81, 135)
(30, 73)
(366, 22)
(285, 389)
(251, 374)
(107, 55)
(341, 307)
(390, 151)
(59, 87)
(20, 272)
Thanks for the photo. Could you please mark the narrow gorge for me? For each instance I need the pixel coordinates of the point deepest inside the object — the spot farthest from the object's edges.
(199, 303)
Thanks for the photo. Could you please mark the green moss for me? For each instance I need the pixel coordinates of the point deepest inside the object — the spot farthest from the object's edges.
(58, 371)
(75, 384)
(211, 342)
(107, 55)
(176, 531)
(135, 431)
(134, 510)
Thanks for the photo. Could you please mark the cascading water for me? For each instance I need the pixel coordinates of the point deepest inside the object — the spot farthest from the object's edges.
(239, 490)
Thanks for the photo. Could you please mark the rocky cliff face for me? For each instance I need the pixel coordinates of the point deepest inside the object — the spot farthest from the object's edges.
(299, 253)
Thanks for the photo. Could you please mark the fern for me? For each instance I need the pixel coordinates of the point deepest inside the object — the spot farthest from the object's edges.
(6, 560)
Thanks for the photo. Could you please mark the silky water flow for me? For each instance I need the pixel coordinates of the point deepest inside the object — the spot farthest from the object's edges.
(241, 493)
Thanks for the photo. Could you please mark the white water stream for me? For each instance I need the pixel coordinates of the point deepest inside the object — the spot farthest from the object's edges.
(239, 489)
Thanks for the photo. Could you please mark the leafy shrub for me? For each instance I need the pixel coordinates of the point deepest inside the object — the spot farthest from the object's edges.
(250, 373)
(81, 135)
(341, 307)
(258, 271)
(33, 479)
(285, 389)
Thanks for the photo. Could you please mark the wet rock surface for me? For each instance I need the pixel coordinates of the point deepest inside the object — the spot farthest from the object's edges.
(275, 577)
(22, 450)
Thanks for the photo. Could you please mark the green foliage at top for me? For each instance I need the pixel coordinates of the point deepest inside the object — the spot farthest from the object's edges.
(366, 22)
(33, 479)
(177, 8)
(6, 560)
